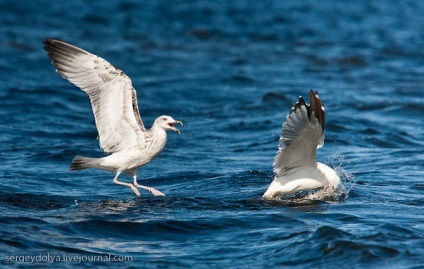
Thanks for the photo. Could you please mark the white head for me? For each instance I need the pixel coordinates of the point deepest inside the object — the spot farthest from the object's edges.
(167, 123)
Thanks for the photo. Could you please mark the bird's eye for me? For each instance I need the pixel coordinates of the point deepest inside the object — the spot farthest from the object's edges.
(164, 119)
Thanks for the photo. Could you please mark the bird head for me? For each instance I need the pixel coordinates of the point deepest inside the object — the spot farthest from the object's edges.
(167, 123)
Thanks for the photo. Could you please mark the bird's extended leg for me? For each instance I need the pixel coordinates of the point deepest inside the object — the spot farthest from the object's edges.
(115, 180)
(154, 191)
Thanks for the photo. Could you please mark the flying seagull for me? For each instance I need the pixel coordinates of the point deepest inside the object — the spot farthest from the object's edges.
(295, 165)
(113, 99)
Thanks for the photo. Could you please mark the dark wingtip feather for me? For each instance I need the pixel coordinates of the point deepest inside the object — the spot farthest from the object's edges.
(48, 44)
(314, 109)
(47, 41)
(299, 103)
(302, 101)
(56, 47)
(317, 108)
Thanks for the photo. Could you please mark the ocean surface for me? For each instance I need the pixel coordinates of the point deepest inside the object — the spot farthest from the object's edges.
(230, 70)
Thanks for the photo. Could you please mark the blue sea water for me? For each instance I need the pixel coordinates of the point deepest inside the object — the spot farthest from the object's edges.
(230, 70)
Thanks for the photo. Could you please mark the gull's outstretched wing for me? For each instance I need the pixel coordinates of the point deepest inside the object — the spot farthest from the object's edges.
(302, 134)
(112, 96)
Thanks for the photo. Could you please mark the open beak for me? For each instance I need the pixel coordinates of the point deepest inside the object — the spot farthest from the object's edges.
(171, 124)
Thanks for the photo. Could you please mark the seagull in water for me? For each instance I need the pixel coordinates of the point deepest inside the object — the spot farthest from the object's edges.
(295, 165)
(114, 103)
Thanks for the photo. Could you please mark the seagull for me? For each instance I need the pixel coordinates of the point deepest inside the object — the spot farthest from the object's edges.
(122, 133)
(295, 165)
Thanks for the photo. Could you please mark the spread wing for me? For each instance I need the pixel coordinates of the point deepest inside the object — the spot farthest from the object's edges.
(113, 98)
(302, 134)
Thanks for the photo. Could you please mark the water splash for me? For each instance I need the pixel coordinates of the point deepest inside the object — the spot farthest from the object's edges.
(347, 180)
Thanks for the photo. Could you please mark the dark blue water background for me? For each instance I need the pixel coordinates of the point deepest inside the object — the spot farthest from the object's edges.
(230, 70)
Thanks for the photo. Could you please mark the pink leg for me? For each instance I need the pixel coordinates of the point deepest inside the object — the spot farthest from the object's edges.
(154, 191)
(115, 180)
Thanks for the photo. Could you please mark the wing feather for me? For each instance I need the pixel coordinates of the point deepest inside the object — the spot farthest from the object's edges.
(112, 96)
(302, 134)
